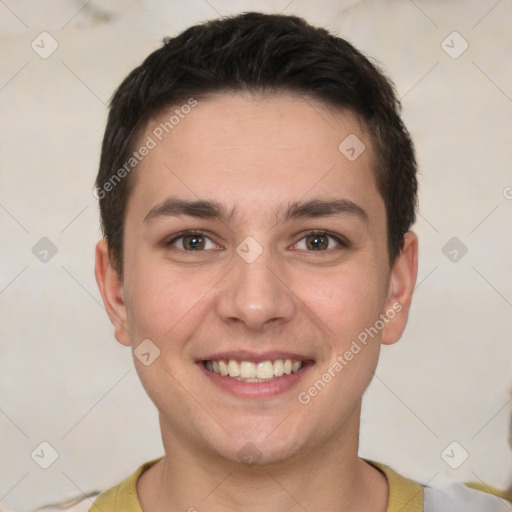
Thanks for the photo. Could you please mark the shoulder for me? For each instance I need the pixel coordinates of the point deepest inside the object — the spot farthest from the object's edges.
(447, 495)
(461, 498)
(505, 494)
(403, 493)
(122, 497)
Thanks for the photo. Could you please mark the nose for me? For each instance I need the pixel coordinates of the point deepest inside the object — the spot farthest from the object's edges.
(255, 294)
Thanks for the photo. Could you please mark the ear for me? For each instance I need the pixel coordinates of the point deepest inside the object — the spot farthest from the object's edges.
(401, 286)
(112, 292)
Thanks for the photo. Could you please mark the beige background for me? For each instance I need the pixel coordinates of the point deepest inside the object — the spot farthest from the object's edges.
(63, 377)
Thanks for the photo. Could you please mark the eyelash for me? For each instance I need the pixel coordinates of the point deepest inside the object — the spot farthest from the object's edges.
(183, 234)
(340, 240)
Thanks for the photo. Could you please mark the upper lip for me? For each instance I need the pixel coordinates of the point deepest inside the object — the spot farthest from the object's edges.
(255, 357)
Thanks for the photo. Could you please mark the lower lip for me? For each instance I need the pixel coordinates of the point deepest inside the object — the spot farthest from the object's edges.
(255, 389)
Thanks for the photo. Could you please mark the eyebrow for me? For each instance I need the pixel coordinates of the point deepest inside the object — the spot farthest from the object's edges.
(207, 209)
(201, 208)
(324, 208)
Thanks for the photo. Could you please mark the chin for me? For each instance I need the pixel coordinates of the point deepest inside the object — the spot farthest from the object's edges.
(260, 450)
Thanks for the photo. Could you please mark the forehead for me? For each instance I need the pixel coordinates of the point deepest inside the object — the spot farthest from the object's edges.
(254, 150)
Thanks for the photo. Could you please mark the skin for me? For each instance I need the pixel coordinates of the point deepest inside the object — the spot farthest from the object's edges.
(256, 155)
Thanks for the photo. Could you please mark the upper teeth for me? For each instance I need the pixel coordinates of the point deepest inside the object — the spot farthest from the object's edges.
(250, 370)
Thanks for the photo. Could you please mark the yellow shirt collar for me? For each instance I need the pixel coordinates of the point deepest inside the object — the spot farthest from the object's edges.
(404, 495)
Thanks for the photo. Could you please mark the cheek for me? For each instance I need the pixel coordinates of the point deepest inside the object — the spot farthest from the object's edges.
(347, 300)
(165, 303)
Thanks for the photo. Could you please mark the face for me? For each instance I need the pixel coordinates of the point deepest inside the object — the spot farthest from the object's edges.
(256, 264)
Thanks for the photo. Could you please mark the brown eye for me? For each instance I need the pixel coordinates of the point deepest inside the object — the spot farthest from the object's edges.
(317, 242)
(193, 242)
(321, 242)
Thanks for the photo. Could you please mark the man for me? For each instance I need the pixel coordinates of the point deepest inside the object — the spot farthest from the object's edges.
(257, 188)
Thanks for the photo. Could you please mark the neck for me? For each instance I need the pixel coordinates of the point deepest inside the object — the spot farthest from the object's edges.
(328, 477)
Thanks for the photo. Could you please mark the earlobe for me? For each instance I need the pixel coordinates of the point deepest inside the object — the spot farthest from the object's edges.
(111, 288)
(401, 287)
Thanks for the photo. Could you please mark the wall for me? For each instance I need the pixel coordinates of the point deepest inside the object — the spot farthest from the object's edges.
(63, 377)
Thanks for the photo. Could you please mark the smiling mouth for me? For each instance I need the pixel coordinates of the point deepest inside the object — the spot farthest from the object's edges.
(248, 371)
